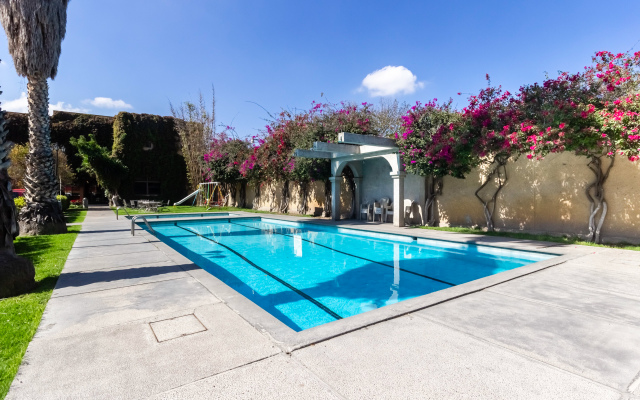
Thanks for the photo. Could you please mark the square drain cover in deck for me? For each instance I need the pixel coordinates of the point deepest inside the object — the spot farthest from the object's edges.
(176, 327)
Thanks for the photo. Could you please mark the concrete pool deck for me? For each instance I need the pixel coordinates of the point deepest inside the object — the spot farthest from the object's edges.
(130, 319)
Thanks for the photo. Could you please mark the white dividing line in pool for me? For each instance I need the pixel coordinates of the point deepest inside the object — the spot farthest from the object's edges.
(351, 255)
(285, 283)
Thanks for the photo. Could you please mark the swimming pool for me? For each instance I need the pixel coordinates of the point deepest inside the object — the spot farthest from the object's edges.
(307, 275)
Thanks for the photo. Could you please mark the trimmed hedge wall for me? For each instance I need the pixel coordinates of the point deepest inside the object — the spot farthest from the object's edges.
(150, 146)
(127, 134)
(18, 126)
(64, 126)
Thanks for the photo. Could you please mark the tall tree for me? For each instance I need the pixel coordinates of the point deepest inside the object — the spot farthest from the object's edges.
(432, 145)
(16, 273)
(197, 128)
(35, 29)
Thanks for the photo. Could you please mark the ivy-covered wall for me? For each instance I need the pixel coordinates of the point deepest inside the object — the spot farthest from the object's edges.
(147, 144)
(64, 126)
(18, 126)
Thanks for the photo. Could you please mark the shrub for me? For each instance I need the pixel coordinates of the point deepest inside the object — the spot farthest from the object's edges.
(19, 202)
(64, 202)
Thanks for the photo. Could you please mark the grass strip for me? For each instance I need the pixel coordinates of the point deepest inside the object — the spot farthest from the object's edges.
(530, 236)
(20, 315)
(75, 215)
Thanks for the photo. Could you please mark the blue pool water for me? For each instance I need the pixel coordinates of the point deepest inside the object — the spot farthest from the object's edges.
(307, 275)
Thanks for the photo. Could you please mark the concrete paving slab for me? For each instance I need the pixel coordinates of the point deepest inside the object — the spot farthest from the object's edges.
(603, 304)
(277, 377)
(116, 227)
(633, 260)
(603, 350)
(100, 251)
(126, 362)
(174, 328)
(90, 311)
(615, 265)
(409, 358)
(584, 274)
(111, 242)
(635, 386)
(92, 237)
(71, 283)
(116, 260)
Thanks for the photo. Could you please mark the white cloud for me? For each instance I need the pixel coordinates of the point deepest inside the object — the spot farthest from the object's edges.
(21, 105)
(107, 102)
(62, 106)
(17, 105)
(391, 80)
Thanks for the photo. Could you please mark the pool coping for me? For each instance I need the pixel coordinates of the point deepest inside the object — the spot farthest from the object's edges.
(289, 340)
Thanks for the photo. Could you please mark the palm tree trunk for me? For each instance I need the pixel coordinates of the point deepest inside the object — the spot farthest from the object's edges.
(16, 273)
(42, 214)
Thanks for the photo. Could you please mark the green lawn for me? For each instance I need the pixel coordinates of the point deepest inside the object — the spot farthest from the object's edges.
(75, 215)
(195, 209)
(528, 236)
(20, 315)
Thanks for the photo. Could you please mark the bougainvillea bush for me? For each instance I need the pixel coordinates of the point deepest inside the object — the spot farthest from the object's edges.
(226, 155)
(593, 114)
(437, 141)
(492, 123)
(274, 156)
(431, 146)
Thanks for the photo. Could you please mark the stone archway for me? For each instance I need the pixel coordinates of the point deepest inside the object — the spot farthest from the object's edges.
(351, 150)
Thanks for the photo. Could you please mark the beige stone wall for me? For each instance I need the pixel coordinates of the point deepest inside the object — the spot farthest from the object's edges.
(315, 198)
(548, 196)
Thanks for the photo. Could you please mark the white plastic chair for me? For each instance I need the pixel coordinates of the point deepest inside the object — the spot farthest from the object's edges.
(365, 209)
(388, 212)
(378, 209)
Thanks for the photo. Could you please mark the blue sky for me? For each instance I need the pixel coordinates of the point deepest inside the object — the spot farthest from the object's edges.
(138, 55)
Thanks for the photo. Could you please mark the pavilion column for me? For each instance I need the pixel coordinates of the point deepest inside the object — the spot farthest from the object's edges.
(358, 196)
(398, 197)
(336, 181)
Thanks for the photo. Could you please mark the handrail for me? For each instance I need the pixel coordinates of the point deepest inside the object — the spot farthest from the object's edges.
(133, 224)
(125, 210)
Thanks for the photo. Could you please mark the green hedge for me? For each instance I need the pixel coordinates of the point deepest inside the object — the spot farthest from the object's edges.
(150, 147)
(19, 202)
(64, 202)
(127, 134)
(64, 126)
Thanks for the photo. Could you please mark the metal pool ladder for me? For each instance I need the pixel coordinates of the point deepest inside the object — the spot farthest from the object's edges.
(121, 208)
(133, 225)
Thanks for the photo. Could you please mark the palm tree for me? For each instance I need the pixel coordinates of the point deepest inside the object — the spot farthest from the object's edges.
(16, 273)
(35, 29)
